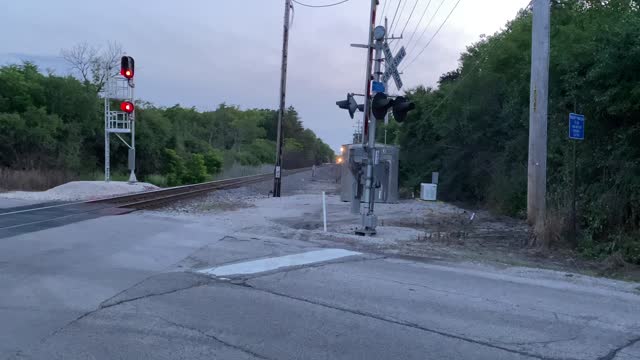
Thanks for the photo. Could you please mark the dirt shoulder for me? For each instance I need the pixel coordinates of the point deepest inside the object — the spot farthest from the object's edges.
(410, 228)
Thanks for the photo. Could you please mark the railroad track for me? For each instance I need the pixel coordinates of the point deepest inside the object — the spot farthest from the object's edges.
(33, 218)
(158, 198)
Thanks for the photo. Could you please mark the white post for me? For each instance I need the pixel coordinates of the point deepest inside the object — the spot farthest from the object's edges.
(324, 211)
(107, 166)
(132, 175)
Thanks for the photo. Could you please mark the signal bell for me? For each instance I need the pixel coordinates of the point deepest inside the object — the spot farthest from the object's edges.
(127, 67)
(127, 106)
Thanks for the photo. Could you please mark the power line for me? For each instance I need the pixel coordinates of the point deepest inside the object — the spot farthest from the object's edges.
(419, 22)
(407, 23)
(409, 18)
(434, 35)
(399, 17)
(319, 6)
(429, 23)
(396, 13)
(384, 8)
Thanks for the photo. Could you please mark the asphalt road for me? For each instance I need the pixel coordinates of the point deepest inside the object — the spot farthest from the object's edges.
(132, 287)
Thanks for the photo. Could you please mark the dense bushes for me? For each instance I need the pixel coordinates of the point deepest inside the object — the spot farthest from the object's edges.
(474, 127)
(48, 122)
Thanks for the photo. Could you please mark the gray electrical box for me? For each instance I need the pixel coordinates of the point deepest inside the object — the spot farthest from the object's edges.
(354, 173)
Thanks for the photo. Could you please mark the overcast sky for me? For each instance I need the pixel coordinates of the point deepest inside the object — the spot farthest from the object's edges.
(205, 52)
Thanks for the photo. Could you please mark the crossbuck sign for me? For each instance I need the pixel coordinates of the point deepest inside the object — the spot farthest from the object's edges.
(391, 68)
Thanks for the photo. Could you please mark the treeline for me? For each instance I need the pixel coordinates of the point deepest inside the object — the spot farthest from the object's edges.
(473, 128)
(50, 122)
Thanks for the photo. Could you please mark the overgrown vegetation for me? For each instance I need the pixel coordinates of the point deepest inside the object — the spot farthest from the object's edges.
(474, 127)
(54, 124)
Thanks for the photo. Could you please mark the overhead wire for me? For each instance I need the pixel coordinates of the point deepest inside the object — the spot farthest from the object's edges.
(424, 12)
(396, 13)
(424, 31)
(434, 35)
(319, 6)
(384, 8)
(405, 24)
(409, 18)
(393, 26)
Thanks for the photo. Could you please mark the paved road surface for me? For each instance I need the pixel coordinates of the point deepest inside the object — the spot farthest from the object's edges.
(132, 287)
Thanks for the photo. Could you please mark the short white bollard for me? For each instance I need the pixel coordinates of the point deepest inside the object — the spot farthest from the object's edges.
(324, 211)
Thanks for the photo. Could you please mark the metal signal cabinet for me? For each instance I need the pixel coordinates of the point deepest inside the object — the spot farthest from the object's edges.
(353, 173)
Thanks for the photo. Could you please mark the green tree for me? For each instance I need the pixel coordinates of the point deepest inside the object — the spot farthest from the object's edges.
(195, 170)
(473, 128)
(174, 167)
(50, 122)
(213, 161)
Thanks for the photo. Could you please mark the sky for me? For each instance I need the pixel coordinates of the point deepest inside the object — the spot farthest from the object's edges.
(205, 52)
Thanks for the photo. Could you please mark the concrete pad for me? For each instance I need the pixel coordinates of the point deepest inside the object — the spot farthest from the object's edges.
(275, 263)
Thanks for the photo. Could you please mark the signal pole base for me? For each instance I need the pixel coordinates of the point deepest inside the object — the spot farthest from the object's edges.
(369, 223)
(132, 178)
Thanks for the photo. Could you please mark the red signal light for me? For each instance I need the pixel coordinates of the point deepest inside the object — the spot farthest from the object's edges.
(127, 107)
(127, 73)
(127, 66)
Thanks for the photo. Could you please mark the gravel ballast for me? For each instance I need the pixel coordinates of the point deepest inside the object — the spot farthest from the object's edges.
(80, 190)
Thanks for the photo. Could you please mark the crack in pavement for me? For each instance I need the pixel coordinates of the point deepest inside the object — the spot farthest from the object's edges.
(492, 301)
(404, 323)
(19, 353)
(123, 301)
(542, 342)
(613, 353)
(204, 333)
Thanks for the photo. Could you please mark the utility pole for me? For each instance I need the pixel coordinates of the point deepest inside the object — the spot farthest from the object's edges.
(386, 88)
(537, 165)
(277, 173)
(369, 219)
(367, 90)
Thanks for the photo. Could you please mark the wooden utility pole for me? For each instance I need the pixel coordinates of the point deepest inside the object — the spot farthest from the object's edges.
(537, 167)
(277, 173)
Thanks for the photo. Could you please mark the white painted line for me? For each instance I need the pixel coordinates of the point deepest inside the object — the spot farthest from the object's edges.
(263, 265)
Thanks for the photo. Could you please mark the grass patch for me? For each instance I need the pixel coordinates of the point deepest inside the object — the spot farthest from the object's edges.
(32, 180)
(156, 179)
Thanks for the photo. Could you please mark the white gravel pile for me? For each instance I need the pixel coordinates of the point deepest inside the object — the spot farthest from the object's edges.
(81, 190)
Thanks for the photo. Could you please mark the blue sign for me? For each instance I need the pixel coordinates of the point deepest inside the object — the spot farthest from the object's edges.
(576, 126)
(377, 86)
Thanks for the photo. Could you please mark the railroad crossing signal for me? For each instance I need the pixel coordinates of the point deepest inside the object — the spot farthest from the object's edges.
(401, 106)
(380, 105)
(392, 63)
